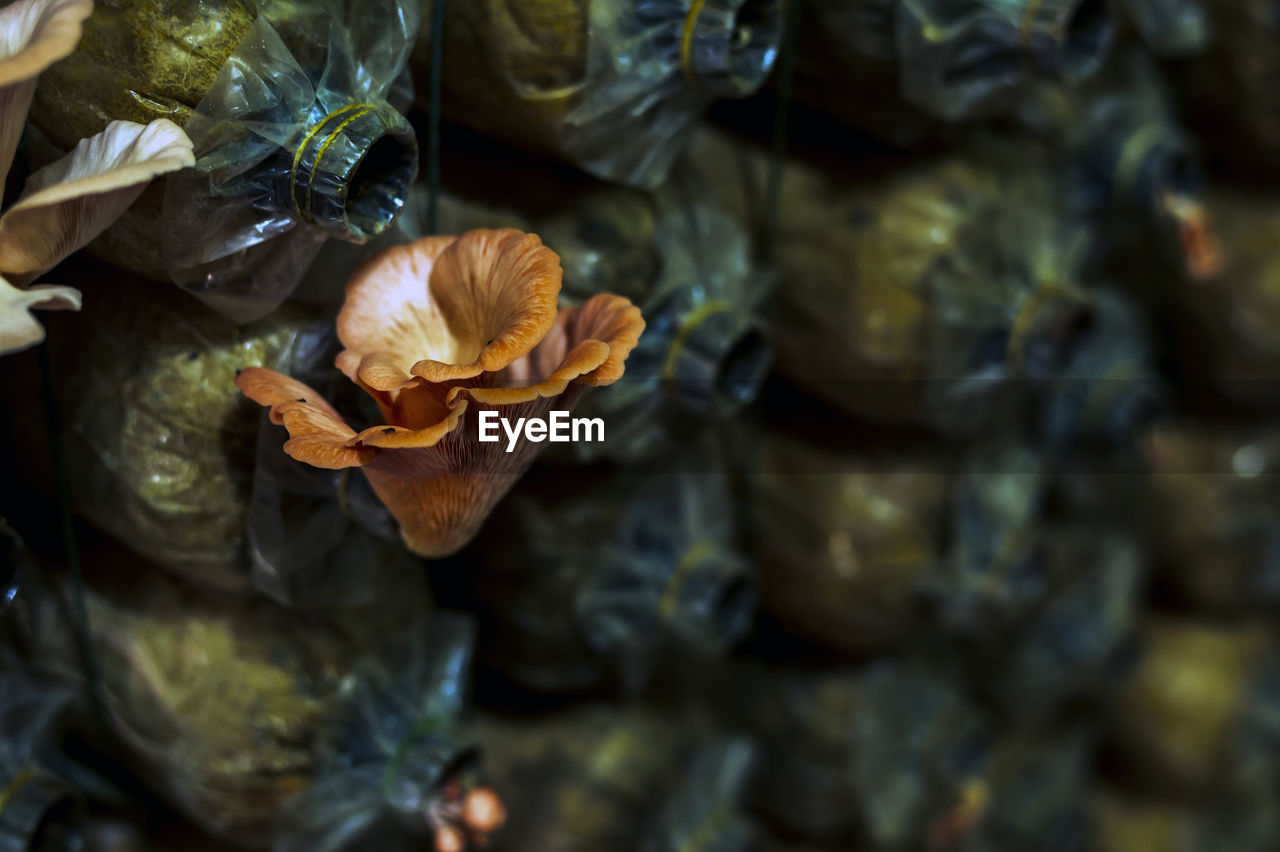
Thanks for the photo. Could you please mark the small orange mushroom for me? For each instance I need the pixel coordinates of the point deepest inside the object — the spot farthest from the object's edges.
(437, 331)
(483, 812)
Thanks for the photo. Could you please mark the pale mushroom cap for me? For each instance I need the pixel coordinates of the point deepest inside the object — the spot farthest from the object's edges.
(448, 308)
(486, 298)
(73, 199)
(18, 328)
(34, 34)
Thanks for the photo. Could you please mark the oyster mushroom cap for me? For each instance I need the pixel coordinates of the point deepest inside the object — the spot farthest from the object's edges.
(73, 199)
(320, 437)
(18, 328)
(447, 308)
(317, 434)
(34, 34)
(488, 299)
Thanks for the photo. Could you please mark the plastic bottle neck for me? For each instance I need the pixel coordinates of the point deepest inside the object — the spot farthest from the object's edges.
(352, 169)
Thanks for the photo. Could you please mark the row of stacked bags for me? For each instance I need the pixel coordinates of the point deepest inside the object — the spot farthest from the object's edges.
(935, 344)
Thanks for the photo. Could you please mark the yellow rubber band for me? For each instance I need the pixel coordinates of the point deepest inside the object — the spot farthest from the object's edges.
(1110, 384)
(1011, 547)
(311, 179)
(686, 328)
(1022, 321)
(13, 786)
(697, 552)
(686, 41)
(706, 832)
(1131, 156)
(302, 146)
(1024, 28)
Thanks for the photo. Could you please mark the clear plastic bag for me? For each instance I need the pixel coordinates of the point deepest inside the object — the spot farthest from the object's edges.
(1211, 514)
(847, 541)
(654, 66)
(159, 437)
(1218, 741)
(1074, 642)
(1130, 171)
(993, 572)
(39, 810)
(598, 776)
(894, 754)
(595, 584)
(613, 87)
(1172, 27)
(939, 296)
(171, 459)
(1109, 390)
(1037, 795)
(295, 142)
(394, 767)
(704, 353)
(219, 702)
(919, 744)
(702, 811)
(14, 559)
(1227, 92)
(963, 59)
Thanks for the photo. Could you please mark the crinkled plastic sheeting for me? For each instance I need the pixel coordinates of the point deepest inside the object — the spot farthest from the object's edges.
(653, 67)
(295, 142)
(391, 748)
(614, 87)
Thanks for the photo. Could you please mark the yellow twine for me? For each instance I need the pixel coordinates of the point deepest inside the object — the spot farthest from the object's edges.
(686, 41)
(696, 553)
(13, 786)
(1131, 155)
(306, 140)
(706, 831)
(311, 180)
(1110, 386)
(1028, 20)
(686, 328)
(1022, 322)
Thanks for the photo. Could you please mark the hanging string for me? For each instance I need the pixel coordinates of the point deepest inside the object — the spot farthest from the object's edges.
(773, 186)
(433, 114)
(71, 551)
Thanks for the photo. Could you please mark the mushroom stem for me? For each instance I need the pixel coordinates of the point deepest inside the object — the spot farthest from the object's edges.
(440, 513)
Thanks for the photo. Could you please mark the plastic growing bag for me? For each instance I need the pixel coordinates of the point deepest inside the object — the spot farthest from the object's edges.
(393, 766)
(295, 142)
(613, 87)
(291, 105)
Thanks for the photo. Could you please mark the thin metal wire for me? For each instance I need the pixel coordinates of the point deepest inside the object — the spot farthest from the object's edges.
(71, 550)
(433, 115)
(773, 186)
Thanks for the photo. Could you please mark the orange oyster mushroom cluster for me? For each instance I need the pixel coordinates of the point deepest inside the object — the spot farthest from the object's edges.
(437, 331)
